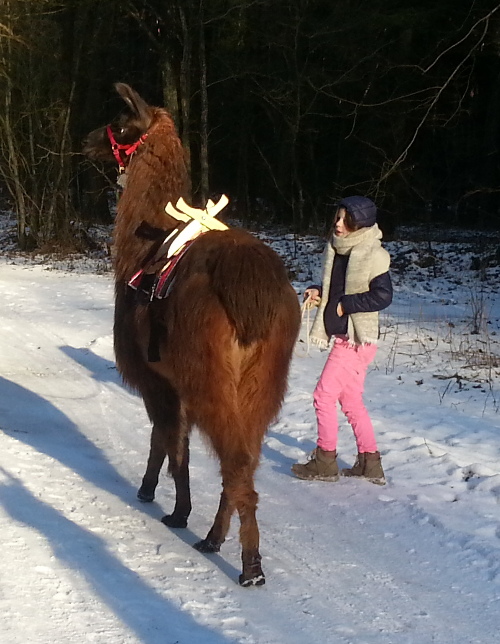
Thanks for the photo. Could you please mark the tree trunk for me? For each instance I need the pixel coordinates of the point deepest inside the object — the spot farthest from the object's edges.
(185, 90)
(204, 181)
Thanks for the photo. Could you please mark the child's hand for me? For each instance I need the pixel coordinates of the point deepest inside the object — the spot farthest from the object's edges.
(340, 310)
(311, 298)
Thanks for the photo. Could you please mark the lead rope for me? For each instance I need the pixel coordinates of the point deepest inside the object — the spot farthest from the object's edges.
(305, 310)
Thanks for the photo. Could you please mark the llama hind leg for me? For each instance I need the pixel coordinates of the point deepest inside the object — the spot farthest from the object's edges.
(246, 503)
(239, 494)
(217, 534)
(245, 499)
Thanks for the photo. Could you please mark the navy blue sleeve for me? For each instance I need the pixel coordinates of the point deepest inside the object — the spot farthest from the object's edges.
(377, 298)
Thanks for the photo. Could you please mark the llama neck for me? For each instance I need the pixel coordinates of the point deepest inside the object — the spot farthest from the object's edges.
(157, 174)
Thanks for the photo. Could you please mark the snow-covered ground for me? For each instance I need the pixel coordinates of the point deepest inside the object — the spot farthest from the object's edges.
(417, 561)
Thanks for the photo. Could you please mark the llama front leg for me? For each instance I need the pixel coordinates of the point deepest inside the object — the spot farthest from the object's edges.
(157, 454)
(179, 468)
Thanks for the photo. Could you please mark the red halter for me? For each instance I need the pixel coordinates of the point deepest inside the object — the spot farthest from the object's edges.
(127, 148)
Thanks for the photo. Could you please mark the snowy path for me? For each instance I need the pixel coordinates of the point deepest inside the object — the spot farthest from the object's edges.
(414, 562)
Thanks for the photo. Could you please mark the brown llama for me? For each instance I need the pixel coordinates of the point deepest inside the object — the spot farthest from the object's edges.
(215, 352)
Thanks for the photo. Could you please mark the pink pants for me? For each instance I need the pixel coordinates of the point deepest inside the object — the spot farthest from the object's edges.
(342, 380)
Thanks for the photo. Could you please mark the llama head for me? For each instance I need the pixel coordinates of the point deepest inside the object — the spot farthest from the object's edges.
(124, 132)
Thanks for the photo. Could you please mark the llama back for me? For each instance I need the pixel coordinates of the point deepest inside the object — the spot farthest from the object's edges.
(252, 285)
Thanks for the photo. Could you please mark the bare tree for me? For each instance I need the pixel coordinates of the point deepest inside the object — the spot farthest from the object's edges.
(35, 113)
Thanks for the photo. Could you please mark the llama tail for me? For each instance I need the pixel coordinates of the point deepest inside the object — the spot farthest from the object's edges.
(252, 284)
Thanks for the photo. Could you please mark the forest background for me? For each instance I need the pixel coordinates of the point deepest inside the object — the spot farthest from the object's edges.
(284, 105)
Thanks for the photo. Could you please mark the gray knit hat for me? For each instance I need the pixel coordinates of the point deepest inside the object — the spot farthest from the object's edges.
(362, 210)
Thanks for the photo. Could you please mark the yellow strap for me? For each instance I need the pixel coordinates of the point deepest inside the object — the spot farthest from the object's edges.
(205, 218)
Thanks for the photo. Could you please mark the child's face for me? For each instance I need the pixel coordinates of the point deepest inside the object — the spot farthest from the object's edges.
(341, 229)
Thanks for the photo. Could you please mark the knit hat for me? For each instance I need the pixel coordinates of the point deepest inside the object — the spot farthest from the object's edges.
(362, 210)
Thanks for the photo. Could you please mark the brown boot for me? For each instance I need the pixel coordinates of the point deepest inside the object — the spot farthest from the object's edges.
(322, 466)
(367, 466)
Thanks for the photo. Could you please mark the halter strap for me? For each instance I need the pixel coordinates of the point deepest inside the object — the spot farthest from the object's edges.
(127, 148)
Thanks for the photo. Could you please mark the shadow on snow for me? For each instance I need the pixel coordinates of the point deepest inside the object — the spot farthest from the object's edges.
(152, 617)
(27, 417)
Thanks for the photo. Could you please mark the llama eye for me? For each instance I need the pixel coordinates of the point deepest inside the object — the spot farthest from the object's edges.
(122, 130)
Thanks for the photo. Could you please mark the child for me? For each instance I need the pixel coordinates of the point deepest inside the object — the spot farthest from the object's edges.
(356, 285)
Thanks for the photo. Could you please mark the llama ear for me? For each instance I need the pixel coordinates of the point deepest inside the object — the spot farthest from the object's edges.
(137, 105)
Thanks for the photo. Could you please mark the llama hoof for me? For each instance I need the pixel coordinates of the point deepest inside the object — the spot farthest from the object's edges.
(145, 497)
(173, 521)
(252, 574)
(258, 580)
(205, 545)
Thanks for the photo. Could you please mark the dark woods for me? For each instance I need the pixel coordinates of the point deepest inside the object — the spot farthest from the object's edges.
(283, 105)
